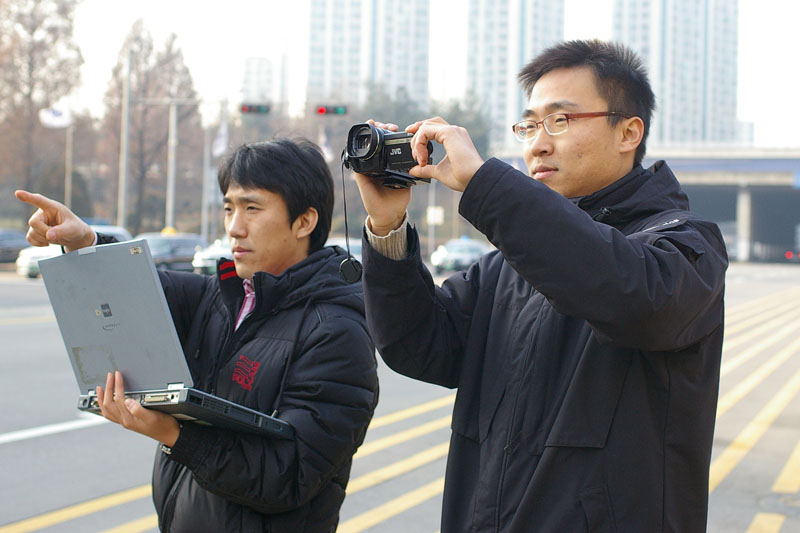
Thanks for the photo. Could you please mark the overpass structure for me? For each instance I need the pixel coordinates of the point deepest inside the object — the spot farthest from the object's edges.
(754, 193)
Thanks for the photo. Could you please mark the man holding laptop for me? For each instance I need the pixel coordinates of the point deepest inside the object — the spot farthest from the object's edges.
(276, 331)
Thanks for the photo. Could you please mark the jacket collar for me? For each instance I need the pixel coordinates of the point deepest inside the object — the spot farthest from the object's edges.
(315, 276)
(637, 194)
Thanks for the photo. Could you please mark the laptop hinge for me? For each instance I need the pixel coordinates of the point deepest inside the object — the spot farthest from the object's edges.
(175, 386)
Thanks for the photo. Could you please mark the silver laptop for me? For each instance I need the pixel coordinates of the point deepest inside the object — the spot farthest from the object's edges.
(113, 315)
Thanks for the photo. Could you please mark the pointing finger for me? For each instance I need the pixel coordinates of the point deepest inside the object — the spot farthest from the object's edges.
(36, 200)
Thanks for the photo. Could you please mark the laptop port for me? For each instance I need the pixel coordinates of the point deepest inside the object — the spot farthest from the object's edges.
(159, 397)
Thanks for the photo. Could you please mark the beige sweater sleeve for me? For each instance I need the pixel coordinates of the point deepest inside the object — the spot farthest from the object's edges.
(394, 245)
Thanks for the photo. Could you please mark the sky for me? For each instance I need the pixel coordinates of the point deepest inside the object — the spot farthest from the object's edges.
(216, 37)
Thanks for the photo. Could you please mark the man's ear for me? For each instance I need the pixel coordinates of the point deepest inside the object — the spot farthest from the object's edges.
(305, 224)
(631, 133)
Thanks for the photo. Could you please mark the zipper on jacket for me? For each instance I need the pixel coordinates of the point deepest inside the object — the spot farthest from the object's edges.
(508, 449)
(172, 498)
(511, 446)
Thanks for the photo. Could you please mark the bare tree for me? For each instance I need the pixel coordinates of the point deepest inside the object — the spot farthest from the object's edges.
(40, 64)
(155, 78)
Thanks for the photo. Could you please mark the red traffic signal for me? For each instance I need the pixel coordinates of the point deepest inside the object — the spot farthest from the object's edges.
(254, 108)
(331, 110)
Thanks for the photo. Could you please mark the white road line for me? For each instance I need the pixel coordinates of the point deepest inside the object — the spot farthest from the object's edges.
(51, 429)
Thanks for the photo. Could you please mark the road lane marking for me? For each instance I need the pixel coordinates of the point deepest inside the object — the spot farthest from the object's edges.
(27, 320)
(412, 411)
(731, 342)
(734, 314)
(50, 429)
(76, 511)
(788, 481)
(369, 448)
(766, 523)
(752, 351)
(752, 433)
(755, 378)
(765, 319)
(148, 523)
(105, 502)
(398, 468)
(392, 508)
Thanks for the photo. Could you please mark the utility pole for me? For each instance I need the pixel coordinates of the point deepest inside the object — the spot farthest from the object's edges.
(123, 144)
(172, 143)
(68, 168)
(205, 191)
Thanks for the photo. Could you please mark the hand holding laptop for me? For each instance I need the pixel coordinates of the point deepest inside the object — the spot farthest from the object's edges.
(131, 415)
(54, 223)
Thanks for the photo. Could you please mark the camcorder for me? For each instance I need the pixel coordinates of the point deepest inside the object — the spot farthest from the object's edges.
(382, 154)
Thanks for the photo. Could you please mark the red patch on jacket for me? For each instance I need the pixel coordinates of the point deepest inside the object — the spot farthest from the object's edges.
(245, 372)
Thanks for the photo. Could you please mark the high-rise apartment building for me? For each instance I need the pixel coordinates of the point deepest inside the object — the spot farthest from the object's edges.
(503, 36)
(690, 50)
(258, 83)
(355, 44)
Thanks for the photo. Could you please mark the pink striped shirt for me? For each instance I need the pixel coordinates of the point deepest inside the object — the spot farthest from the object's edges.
(249, 301)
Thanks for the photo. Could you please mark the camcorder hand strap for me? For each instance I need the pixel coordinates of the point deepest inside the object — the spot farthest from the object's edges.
(349, 269)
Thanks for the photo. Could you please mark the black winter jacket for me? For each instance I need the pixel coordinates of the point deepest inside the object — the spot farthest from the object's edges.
(585, 350)
(305, 352)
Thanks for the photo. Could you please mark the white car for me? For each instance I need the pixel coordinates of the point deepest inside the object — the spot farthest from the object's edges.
(457, 254)
(28, 258)
(355, 245)
(205, 260)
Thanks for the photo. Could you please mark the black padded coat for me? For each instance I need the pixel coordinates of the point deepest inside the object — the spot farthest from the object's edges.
(305, 353)
(585, 349)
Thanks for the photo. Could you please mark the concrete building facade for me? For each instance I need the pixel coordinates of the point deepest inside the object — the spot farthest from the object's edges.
(356, 44)
(503, 35)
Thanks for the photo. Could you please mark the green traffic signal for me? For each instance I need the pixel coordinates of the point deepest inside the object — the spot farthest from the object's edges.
(332, 110)
(254, 108)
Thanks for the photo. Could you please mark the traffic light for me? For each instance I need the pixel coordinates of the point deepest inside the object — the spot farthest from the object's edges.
(332, 110)
(254, 108)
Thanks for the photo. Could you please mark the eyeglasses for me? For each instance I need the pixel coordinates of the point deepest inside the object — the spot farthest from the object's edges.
(554, 124)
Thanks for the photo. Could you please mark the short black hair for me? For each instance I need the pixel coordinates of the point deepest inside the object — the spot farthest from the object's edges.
(621, 77)
(292, 168)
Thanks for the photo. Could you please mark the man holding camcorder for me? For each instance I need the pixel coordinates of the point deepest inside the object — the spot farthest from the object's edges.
(586, 348)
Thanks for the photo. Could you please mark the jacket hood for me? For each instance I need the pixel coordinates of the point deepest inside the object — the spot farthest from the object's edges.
(638, 194)
(314, 278)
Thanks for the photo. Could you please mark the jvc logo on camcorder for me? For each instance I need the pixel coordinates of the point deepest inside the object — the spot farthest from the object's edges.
(395, 151)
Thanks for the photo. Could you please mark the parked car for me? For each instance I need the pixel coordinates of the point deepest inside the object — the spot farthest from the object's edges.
(11, 242)
(355, 245)
(173, 251)
(205, 260)
(457, 254)
(28, 258)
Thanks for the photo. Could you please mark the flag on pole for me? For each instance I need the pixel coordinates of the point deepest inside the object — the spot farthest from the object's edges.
(220, 144)
(55, 118)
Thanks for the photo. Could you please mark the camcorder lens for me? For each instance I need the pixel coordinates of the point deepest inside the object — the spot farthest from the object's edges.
(361, 142)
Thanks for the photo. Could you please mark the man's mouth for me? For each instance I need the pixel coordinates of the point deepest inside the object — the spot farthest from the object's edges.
(542, 172)
(239, 252)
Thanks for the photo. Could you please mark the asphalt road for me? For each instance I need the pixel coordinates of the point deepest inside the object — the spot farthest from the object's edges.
(65, 472)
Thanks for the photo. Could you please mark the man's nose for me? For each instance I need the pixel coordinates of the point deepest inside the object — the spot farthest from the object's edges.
(541, 144)
(236, 225)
